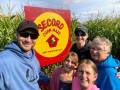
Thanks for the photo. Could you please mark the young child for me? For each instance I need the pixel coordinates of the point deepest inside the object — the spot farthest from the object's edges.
(62, 77)
(86, 76)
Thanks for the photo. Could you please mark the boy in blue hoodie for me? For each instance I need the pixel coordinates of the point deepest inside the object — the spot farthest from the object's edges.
(19, 68)
(106, 64)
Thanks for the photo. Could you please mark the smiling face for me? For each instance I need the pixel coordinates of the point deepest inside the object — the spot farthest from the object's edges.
(81, 36)
(69, 65)
(99, 52)
(86, 74)
(70, 62)
(100, 49)
(81, 41)
(26, 39)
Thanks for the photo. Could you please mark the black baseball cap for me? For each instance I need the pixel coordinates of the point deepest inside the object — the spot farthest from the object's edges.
(27, 25)
(81, 31)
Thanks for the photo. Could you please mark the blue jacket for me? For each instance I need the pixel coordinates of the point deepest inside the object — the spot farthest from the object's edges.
(19, 71)
(107, 79)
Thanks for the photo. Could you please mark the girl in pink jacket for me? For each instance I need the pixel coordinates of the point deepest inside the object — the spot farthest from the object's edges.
(61, 78)
(86, 76)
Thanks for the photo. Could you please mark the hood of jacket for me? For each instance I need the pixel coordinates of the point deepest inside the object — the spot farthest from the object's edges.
(14, 47)
(109, 62)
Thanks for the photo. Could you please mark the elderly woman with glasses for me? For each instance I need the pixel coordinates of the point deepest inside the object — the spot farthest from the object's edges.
(106, 64)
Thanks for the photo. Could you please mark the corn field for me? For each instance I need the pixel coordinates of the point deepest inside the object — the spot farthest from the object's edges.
(108, 27)
(8, 25)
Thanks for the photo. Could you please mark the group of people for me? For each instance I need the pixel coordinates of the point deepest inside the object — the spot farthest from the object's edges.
(96, 68)
(88, 66)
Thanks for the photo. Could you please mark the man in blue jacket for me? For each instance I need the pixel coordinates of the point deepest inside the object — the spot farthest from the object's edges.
(106, 64)
(19, 68)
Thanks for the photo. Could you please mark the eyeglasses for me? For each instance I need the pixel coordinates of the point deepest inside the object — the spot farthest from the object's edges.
(27, 34)
(98, 50)
(80, 33)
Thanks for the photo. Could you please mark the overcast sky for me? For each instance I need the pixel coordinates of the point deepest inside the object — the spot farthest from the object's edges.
(82, 9)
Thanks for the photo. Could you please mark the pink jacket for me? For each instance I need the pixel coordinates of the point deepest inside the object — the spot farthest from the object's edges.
(54, 81)
(76, 85)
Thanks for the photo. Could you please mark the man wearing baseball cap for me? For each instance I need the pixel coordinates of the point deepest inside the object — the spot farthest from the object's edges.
(19, 68)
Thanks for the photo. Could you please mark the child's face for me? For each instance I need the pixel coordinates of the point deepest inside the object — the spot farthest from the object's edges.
(86, 75)
(69, 65)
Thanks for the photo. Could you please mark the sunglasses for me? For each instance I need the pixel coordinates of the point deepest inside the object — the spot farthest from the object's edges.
(27, 34)
(80, 33)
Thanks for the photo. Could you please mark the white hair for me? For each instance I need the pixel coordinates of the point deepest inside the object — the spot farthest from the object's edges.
(103, 41)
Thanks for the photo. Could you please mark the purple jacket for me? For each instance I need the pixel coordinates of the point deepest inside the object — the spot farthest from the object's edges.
(54, 81)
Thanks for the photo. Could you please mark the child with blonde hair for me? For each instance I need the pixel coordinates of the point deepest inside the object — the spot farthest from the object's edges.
(86, 76)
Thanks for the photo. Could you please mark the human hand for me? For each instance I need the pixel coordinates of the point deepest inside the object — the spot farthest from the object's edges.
(118, 72)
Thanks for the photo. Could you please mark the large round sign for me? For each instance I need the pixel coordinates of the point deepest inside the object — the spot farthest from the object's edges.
(54, 34)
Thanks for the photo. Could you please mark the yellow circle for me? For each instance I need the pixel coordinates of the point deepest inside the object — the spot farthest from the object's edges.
(51, 24)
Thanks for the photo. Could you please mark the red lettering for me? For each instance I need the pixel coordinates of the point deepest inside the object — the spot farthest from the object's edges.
(50, 22)
(61, 26)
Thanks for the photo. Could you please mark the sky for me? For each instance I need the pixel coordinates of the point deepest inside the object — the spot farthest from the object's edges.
(81, 9)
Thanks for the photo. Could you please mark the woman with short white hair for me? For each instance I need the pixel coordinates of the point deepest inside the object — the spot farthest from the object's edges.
(101, 54)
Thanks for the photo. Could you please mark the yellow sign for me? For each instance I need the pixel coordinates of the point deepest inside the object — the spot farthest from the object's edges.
(54, 34)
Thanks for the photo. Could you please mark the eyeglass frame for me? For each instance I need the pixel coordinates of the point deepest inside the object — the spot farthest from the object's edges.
(98, 50)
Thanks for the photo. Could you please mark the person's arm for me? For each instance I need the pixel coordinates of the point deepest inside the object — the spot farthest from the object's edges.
(44, 81)
(75, 83)
(2, 87)
(54, 80)
(110, 82)
(118, 68)
(43, 77)
(118, 72)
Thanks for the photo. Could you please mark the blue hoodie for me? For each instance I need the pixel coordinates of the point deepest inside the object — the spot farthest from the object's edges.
(107, 79)
(19, 71)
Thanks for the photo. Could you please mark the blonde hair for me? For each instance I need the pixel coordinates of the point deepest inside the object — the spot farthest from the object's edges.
(88, 62)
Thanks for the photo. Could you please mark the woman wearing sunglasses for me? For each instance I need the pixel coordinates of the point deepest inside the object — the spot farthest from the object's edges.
(82, 44)
(19, 68)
